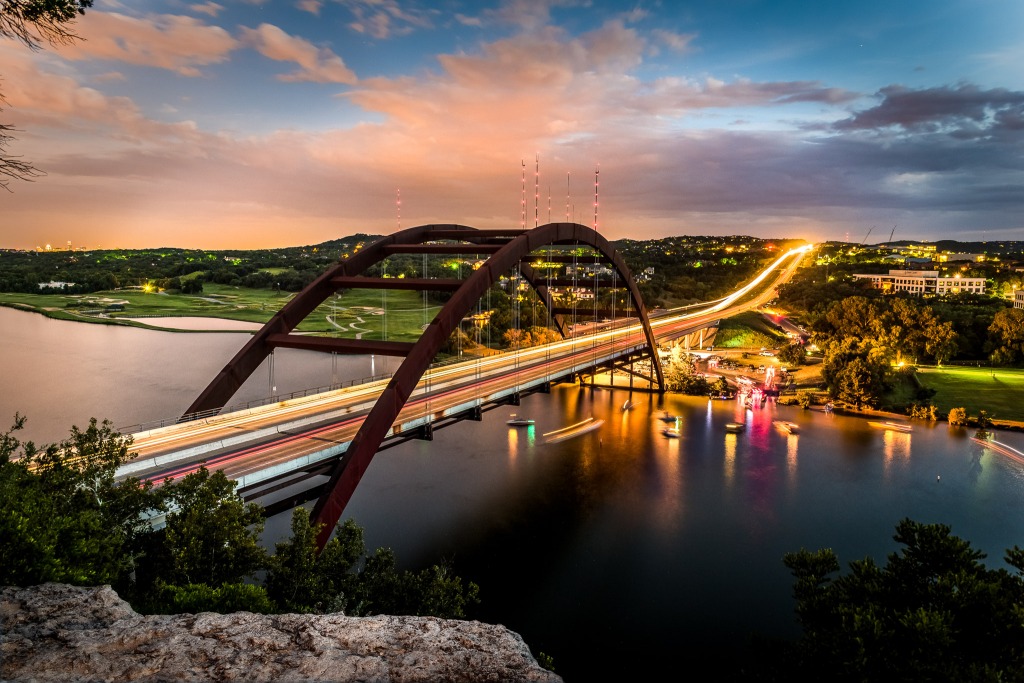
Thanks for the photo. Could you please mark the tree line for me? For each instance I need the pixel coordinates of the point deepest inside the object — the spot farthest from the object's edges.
(64, 517)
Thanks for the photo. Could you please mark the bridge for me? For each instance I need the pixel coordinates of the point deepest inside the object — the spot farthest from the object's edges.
(291, 446)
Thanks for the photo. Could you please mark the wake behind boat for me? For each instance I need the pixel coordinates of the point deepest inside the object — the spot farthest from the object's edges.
(572, 431)
(892, 426)
(1001, 448)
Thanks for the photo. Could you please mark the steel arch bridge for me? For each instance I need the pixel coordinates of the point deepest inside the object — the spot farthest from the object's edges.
(507, 251)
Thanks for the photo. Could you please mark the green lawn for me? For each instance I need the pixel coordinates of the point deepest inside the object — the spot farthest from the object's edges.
(748, 330)
(357, 312)
(999, 391)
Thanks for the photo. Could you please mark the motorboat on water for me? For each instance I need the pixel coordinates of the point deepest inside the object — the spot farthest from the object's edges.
(892, 426)
(668, 418)
(516, 421)
(670, 433)
(734, 427)
(788, 427)
(628, 404)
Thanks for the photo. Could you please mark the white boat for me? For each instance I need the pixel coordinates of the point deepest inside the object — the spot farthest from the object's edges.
(627, 405)
(788, 427)
(668, 418)
(516, 421)
(670, 433)
(735, 427)
(572, 431)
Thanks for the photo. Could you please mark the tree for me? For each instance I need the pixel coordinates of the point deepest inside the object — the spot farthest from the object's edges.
(934, 612)
(33, 22)
(211, 535)
(957, 417)
(342, 579)
(793, 354)
(301, 579)
(682, 376)
(1006, 336)
(63, 517)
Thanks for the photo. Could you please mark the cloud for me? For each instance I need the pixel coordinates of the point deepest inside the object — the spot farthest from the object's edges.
(318, 65)
(177, 43)
(383, 19)
(964, 110)
(210, 8)
(311, 6)
(677, 42)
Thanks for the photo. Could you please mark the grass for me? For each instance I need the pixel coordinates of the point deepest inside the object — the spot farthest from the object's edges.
(999, 391)
(748, 330)
(354, 313)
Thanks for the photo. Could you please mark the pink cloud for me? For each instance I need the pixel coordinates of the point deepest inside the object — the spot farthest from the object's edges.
(318, 65)
(176, 43)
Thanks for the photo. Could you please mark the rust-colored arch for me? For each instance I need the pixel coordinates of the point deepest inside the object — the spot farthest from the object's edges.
(351, 466)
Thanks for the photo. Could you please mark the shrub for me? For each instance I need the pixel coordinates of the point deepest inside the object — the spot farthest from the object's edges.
(957, 417)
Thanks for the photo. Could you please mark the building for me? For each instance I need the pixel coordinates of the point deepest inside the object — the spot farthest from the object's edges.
(954, 258)
(1018, 299)
(923, 282)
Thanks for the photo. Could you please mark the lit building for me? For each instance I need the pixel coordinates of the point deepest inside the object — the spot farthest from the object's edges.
(1018, 299)
(923, 282)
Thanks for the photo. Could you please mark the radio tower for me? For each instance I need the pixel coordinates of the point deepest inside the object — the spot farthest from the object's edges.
(522, 220)
(536, 186)
(398, 207)
(597, 171)
(567, 195)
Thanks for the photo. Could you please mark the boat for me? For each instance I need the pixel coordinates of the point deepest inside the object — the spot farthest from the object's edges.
(735, 427)
(788, 427)
(670, 433)
(574, 430)
(516, 421)
(628, 404)
(892, 426)
(668, 418)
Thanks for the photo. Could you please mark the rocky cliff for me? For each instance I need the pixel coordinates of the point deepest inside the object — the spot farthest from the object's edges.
(57, 632)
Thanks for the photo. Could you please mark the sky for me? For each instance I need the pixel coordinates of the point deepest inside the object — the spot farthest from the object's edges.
(247, 124)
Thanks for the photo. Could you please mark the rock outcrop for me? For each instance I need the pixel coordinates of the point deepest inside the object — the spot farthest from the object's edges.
(56, 632)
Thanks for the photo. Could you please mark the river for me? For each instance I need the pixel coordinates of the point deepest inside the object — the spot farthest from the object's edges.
(620, 553)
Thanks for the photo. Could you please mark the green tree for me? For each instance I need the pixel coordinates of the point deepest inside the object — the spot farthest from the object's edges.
(211, 535)
(856, 372)
(793, 354)
(33, 22)
(63, 517)
(934, 612)
(302, 579)
(1006, 337)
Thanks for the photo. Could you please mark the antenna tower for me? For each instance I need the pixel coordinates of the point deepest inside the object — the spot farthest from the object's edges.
(522, 220)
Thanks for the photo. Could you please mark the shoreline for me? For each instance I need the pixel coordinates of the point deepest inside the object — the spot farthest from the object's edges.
(70, 317)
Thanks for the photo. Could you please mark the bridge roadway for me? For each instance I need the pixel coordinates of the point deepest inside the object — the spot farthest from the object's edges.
(285, 442)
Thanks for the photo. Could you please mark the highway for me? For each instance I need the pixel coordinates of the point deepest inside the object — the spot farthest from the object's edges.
(257, 444)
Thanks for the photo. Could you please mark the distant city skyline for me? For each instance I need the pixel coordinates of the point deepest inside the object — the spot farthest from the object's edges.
(246, 124)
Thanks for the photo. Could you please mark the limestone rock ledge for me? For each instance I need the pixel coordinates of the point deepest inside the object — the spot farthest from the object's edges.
(57, 632)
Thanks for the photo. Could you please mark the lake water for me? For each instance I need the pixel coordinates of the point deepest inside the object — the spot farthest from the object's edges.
(620, 553)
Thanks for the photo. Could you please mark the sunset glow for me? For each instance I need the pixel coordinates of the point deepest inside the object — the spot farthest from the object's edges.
(247, 124)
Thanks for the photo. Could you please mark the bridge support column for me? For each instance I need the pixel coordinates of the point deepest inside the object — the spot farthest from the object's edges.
(426, 432)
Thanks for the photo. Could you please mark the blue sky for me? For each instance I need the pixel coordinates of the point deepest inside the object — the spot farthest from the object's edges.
(257, 124)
